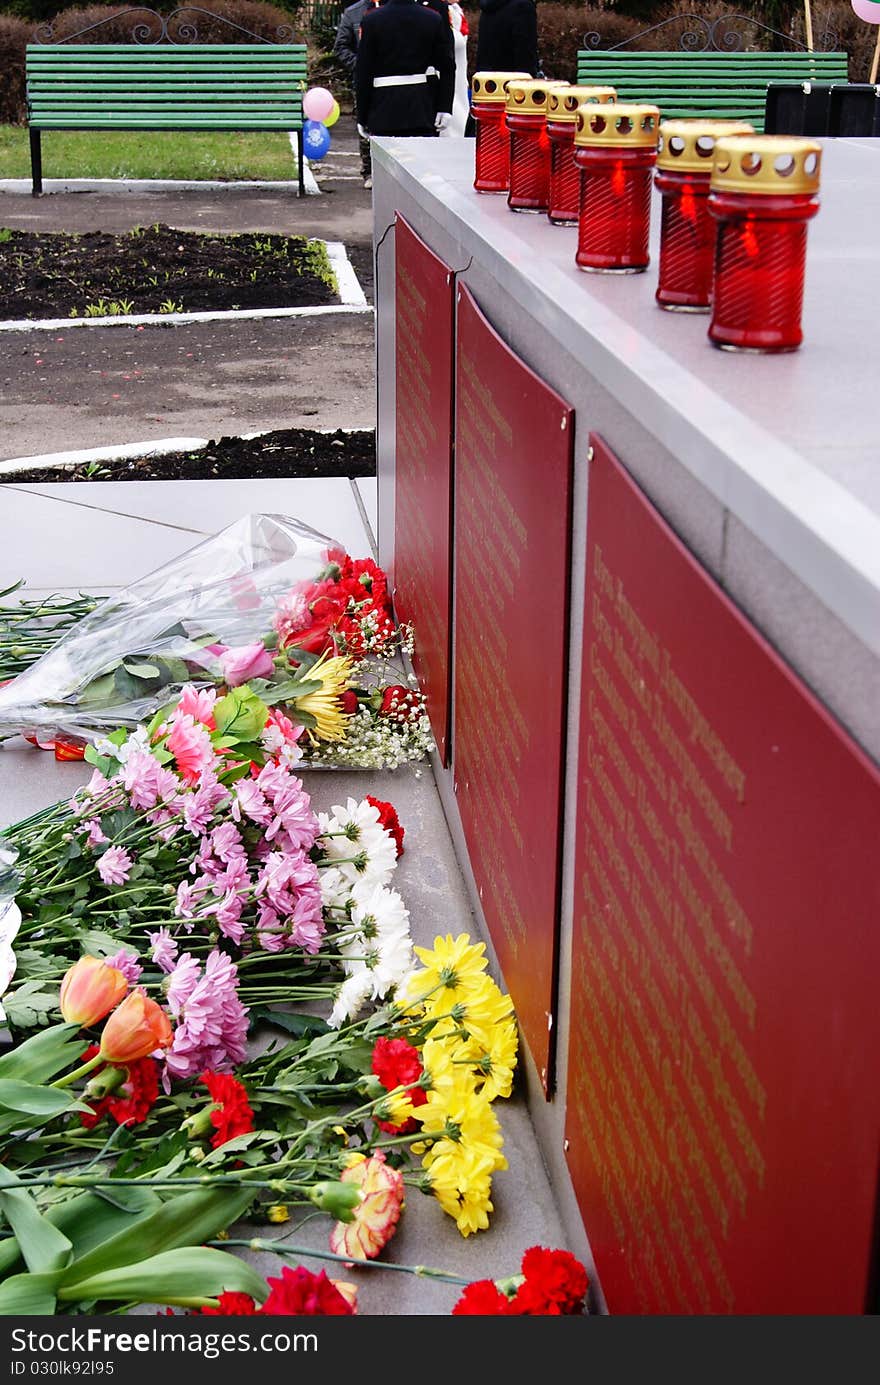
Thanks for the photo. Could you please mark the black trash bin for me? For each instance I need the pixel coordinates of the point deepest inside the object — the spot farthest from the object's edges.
(797, 108)
(854, 109)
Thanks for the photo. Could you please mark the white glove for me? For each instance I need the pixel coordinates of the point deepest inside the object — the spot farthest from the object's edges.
(362, 132)
(442, 119)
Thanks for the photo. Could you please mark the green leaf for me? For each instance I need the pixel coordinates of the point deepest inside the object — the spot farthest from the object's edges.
(94, 943)
(292, 1024)
(94, 757)
(43, 1246)
(86, 1220)
(189, 1276)
(28, 1296)
(35, 1100)
(132, 689)
(99, 692)
(181, 1221)
(240, 713)
(141, 670)
(43, 1056)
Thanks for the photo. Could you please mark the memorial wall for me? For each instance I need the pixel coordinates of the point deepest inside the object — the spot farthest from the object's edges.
(652, 774)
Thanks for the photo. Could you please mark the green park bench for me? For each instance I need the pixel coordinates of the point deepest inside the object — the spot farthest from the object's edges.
(193, 86)
(716, 85)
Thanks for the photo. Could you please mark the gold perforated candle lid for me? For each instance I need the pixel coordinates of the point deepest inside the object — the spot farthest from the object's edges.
(767, 165)
(529, 97)
(491, 87)
(620, 123)
(563, 102)
(689, 145)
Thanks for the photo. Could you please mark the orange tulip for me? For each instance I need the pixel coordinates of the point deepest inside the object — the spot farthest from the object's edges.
(90, 990)
(135, 1030)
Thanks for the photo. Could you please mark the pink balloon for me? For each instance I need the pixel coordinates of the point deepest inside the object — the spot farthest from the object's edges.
(318, 102)
(867, 10)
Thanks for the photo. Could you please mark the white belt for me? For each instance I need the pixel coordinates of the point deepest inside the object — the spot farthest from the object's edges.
(415, 79)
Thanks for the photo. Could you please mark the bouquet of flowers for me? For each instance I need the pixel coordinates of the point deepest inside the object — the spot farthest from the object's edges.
(184, 902)
(267, 602)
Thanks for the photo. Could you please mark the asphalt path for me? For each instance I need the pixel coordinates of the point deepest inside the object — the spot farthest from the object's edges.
(91, 387)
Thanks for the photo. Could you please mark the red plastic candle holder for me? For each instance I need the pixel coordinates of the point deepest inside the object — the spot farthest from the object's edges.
(492, 138)
(763, 193)
(615, 151)
(687, 231)
(565, 177)
(525, 116)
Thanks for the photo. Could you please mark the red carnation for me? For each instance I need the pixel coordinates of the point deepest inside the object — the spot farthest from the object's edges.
(299, 1293)
(232, 1305)
(368, 576)
(232, 1114)
(555, 1283)
(389, 820)
(482, 1299)
(396, 1064)
(131, 1103)
(399, 704)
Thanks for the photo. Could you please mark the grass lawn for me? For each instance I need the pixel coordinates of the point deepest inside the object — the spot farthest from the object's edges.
(209, 154)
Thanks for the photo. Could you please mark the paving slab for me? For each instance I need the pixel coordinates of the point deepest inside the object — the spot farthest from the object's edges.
(201, 508)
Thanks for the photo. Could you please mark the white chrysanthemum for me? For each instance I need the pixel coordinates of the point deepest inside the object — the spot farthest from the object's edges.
(377, 910)
(379, 938)
(394, 963)
(353, 839)
(350, 997)
(336, 889)
(273, 741)
(138, 740)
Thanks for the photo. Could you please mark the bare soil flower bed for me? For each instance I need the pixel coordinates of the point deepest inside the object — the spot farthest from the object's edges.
(287, 452)
(157, 269)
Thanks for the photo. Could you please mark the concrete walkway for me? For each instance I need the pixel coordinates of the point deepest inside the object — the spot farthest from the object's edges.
(83, 389)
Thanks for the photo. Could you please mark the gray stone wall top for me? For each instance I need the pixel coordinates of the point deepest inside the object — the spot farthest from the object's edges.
(787, 444)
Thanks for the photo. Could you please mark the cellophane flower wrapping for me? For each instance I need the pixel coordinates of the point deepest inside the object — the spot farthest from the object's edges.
(225, 613)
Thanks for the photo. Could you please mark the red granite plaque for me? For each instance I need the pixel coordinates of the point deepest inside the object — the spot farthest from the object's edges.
(513, 439)
(723, 1108)
(423, 469)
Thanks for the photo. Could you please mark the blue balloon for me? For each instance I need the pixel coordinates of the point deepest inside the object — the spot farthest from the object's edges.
(316, 139)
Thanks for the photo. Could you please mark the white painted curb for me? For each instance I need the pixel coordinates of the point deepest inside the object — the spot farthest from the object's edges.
(352, 296)
(18, 186)
(119, 452)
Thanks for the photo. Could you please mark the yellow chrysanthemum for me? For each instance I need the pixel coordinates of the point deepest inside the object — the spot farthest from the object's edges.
(476, 1009)
(398, 1106)
(453, 964)
(461, 1117)
(493, 1059)
(323, 703)
(438, 1060)
(462, 1183)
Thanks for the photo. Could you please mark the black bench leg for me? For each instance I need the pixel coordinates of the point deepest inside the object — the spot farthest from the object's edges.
(36, 162)
(301, 162)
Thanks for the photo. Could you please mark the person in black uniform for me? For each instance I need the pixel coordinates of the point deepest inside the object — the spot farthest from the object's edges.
(404, 73)
(345, 48)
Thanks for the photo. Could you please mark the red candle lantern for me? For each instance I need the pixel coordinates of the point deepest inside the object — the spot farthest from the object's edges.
(615, 148)
(565, 176)
(763, 191)
(687, 231)
(492, 154)
(525, 116)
